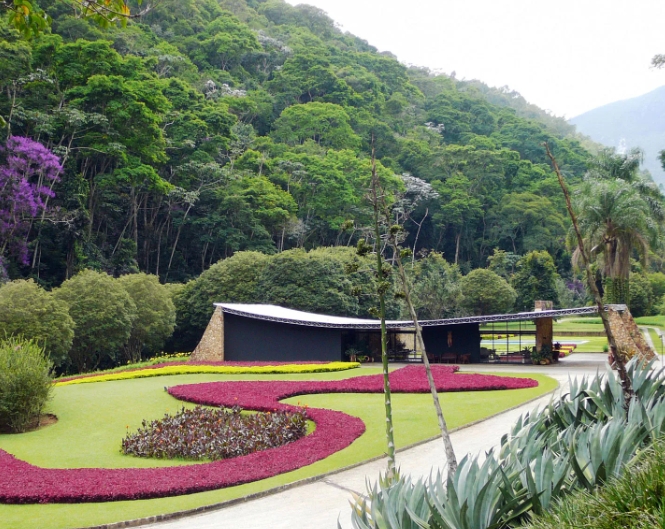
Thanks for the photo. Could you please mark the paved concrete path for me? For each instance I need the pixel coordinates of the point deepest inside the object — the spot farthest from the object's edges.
(658, 346)
(318, 505)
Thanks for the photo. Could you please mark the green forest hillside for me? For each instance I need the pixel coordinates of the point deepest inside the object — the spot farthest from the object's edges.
(208, 127)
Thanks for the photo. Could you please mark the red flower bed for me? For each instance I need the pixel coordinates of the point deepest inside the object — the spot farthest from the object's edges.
(265, 395)
(21, 482)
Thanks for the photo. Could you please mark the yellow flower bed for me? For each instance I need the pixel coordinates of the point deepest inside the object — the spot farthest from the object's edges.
(218, 370)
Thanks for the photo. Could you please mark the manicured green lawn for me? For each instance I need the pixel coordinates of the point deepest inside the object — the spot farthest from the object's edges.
(563, 324)
(578, 325)
(654, 321)
(593, 344)
(93, 418)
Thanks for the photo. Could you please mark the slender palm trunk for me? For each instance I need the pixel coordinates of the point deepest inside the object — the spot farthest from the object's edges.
(420, 344)
(382, 287)
(616, 359)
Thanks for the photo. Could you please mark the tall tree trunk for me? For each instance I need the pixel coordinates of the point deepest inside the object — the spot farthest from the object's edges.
(415, 242)
(177, 238)
(46, 201)
(135, 217)
(616, 359)
(443, 426)
(457, 240)
(382, 287)
(393, 233)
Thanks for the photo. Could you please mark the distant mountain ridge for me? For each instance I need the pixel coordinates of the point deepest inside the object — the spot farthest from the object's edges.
(636, 122)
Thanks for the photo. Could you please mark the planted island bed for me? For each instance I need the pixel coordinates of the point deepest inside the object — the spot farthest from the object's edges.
(95, 417)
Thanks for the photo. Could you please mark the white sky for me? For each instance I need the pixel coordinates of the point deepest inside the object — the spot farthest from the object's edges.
(567, 56)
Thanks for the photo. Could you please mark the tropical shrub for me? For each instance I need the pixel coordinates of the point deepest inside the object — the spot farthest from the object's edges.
(642, 299)
(103, 313)
(486, 293)
(25, 383)
(535, 279)
(203, 433)
(231, 280)
(31, 312)
(312, 281)
(155, 315)
(437, 290)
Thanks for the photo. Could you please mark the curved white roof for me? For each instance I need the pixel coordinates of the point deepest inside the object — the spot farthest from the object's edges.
(310, 319)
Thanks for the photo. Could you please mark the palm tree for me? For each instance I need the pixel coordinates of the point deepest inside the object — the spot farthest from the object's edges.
(615, 219)
(608, 165)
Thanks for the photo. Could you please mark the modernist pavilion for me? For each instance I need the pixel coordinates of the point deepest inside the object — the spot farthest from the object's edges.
(248, 332)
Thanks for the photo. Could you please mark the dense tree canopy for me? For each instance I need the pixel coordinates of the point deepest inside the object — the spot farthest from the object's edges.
(241, 132)
(535, 279)
(155, 315)
(103, 313)
(207, 127)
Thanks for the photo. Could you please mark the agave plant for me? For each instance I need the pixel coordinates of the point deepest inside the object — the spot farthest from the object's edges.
(545, 477)
(652, 417)
(600, 452)
(647, 383)
(579, 440)
(396, 503)
(477, 496)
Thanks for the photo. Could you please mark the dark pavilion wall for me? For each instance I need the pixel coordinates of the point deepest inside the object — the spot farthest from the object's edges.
(247, 339)
(465, 339)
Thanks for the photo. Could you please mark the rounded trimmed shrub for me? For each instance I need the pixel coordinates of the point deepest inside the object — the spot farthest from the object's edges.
(103, 313)
(25, 383)
(486, 293)
(35, 314)
(155, 315)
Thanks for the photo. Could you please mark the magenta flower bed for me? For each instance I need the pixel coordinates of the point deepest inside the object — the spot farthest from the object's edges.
(21, 482)
(265, 395)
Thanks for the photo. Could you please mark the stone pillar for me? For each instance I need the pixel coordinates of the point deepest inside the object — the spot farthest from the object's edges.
(211, 346)
(544, 330)
(544, 327)
(543, 305)
(628, 337)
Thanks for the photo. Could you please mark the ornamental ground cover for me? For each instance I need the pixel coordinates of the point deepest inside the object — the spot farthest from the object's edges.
(265, 396)
(221, 368)
(21, 482)
(204, 433)
(94, 417)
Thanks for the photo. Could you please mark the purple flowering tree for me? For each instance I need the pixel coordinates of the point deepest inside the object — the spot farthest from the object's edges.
(28, 171)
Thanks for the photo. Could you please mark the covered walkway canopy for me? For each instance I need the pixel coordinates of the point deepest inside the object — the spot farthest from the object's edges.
(252, 332)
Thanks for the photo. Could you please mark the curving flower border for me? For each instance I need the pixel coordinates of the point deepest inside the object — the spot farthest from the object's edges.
(21, 482)
(218, 368)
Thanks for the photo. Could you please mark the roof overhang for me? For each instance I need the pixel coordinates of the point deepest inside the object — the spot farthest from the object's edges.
(278, 314)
